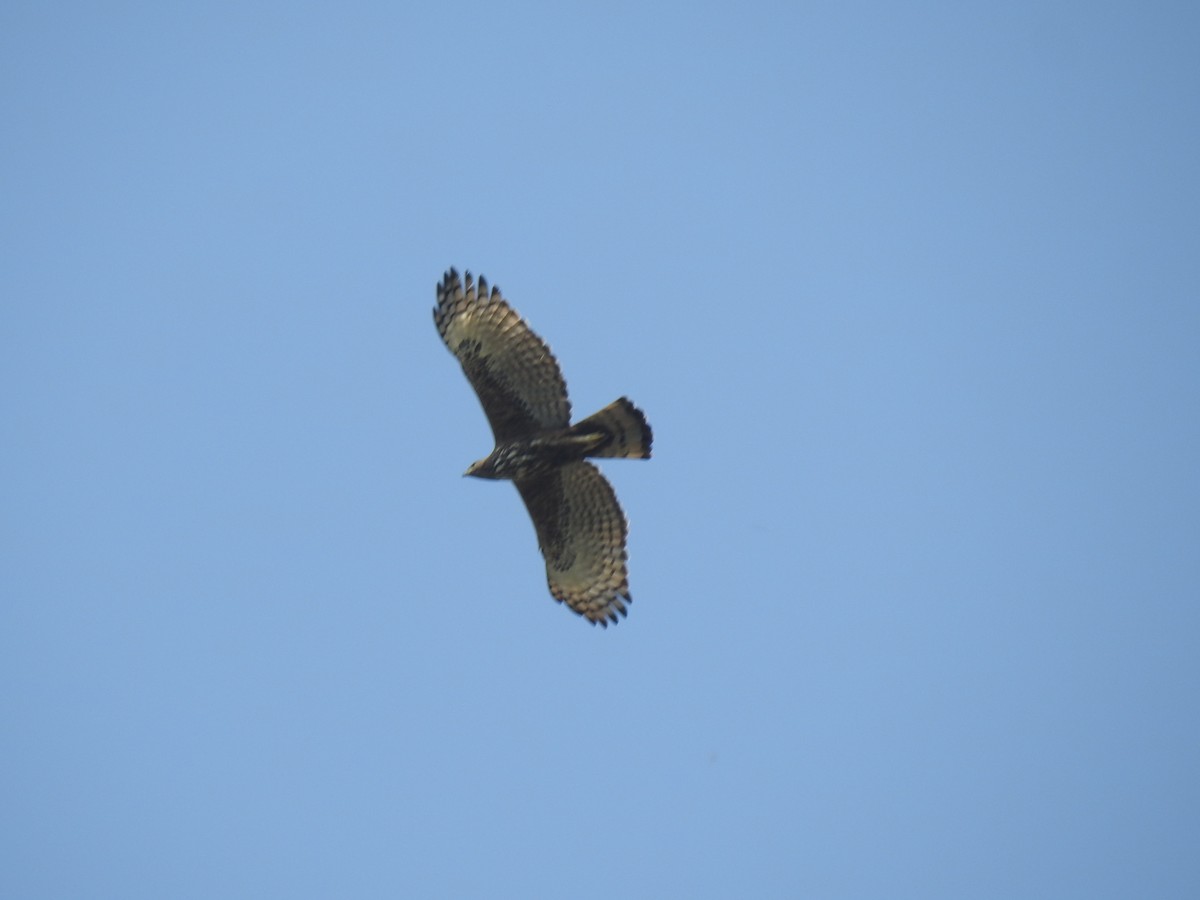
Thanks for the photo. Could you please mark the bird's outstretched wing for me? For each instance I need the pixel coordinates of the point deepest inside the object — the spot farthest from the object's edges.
(581, 531)
(512, 370)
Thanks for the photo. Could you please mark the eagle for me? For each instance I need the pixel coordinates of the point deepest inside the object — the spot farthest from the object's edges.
(580, 527)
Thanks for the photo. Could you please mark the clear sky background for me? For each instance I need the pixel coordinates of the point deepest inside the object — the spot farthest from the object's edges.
(910, 295)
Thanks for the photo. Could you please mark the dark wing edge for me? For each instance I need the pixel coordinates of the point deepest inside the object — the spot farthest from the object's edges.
(514, 374)
(582, 534)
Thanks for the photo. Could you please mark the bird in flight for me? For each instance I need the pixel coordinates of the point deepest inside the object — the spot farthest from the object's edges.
(581, 529)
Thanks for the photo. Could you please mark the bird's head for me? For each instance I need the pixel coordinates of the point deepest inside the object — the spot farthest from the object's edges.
(481, 468)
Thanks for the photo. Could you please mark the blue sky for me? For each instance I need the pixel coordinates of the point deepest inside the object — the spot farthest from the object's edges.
(910, 296)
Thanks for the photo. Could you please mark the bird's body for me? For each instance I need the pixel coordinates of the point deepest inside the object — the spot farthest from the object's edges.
(580, 527)
(523, 459)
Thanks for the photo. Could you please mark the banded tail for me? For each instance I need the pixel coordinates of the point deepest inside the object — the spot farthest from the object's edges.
(624, 428)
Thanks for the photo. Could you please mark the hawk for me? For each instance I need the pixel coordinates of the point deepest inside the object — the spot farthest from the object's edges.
(580, 527)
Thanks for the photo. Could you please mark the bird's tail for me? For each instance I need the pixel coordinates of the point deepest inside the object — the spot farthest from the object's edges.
(626, 433)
